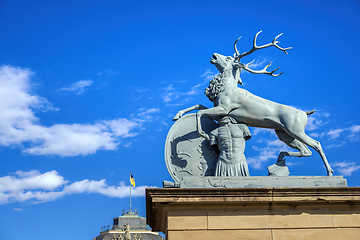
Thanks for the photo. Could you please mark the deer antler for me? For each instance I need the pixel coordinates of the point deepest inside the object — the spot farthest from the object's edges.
(245, 66)
(255, 47)
(236, 54)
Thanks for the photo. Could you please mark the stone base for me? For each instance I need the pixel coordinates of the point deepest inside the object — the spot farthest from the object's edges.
(255, 213)
(259, 182)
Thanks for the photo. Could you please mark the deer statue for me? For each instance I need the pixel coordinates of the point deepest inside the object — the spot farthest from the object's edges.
(289, 123)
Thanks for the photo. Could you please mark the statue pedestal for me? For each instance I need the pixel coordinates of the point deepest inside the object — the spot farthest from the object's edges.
(259, 182)
(255, 213)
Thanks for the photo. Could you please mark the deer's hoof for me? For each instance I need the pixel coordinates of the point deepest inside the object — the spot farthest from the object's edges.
(177, 116)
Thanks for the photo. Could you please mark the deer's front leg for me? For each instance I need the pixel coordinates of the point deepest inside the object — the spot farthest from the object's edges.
(182, 112)
(211, 112)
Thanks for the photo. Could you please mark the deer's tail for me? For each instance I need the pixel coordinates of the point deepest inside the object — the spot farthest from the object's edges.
(310, 112)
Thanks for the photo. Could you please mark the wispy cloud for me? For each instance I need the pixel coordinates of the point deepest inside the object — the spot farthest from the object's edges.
(208, 75)
(268, 146)
(259, 63)
(317, 120)
(334, 133)
(171, 94)
(318, 126)
(346, 168)
(257, 131)
(265, 154)
(36, 187)
(108, 73)
(146, 113)
(350, 133)
(77, 87)
(140, 93)
(354, 133)
(19, 125)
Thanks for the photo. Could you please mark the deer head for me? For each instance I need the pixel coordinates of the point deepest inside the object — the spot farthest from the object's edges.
(227, 63)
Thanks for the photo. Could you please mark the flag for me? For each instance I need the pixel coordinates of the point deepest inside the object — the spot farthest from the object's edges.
(132, 180)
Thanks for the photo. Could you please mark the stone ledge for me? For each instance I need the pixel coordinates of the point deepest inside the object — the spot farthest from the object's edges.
(286, 234)
(262, 182)
(264, 201)
(203, 195)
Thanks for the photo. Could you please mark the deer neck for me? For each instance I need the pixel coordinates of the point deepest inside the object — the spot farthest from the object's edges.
(231, 80)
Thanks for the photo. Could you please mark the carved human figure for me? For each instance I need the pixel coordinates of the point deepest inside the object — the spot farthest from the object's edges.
(127, 232)
(117, 237)
(230, 138)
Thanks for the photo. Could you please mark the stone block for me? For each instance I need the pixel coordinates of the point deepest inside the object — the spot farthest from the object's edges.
(255, 213)
(217, 235)
(187, 220)
(318, 234)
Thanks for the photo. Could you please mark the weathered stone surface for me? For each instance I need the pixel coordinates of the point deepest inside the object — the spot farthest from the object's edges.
(255, 213)
(318, 234)
(262, 181)
(216, 234)
(187, 153)
(283, 234)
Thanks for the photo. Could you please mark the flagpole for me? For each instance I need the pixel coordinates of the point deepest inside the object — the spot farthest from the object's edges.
(130, 194)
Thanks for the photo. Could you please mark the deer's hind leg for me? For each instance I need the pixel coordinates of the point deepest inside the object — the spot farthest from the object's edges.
(293, 143)
(302, 137)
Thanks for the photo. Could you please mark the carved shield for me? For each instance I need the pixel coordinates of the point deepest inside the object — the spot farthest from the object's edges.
(187, 153)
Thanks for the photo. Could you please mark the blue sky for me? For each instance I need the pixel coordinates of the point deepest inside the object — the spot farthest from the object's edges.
(89, 88)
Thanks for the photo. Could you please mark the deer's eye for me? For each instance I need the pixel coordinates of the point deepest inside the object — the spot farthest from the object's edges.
(228, 58)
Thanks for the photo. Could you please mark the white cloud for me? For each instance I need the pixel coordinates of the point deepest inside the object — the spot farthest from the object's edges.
(72, 140)
(354, 133)
(320, 119)
(317, 120)
(19, 125)
(313, 123)
(145, 112)
(335, 133)
(169, 94)
(208, 74)
(147, 115)
(337, 144)
(30, 181)
(108, 73)
(36, 187)
(276, 143)
(266, 154)
(77, 87)
(316, 135)
(346, 168)
(257, 131)
(354, 129)
(258, 63)
(268, 147)
(121, 127)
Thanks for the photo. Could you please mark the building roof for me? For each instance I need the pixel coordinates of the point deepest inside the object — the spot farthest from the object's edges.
(137, 227)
